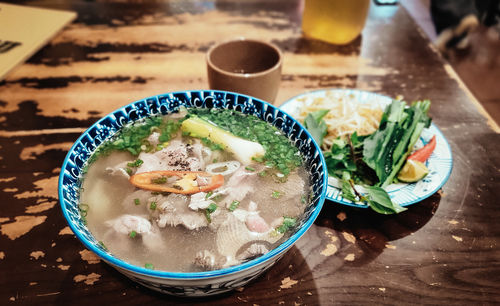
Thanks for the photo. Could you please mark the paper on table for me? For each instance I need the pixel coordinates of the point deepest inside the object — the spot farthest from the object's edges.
(24, 30)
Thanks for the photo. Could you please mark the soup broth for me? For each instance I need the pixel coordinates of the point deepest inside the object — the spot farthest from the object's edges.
(211, 206)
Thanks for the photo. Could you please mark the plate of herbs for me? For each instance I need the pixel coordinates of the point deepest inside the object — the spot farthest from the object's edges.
(381, 153)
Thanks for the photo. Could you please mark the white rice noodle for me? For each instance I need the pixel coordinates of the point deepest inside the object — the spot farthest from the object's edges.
(347, 115)
(224, 168)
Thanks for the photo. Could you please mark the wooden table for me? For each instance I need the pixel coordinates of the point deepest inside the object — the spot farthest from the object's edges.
(442, 250)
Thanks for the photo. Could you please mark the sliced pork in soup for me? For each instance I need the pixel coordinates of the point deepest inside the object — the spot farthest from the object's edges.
(193, 191)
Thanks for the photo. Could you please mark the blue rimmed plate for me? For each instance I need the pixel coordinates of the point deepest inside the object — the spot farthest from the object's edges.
(439, 163)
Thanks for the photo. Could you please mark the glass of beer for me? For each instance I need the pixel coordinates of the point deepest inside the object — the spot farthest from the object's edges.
(334, 21)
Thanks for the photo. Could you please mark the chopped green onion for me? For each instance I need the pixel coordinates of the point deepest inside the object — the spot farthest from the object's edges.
(276, 194)
(303, 199)
(212, 207)
(209, 210)
(137, 201)
(83, 208)
(217, 198)
(102, 245)
(249, 168)
(152, 206)
(258, 159)
(234, 205)
(212, 145)
(135, 163)
(262, 173)
(209, 194)
(132, 234)
(159, 180)
(287, 224)
(149, 266)
(128, 170)
(207, 215)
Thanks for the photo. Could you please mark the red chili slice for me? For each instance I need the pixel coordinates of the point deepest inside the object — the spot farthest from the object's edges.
(424, 152)
(153, 181)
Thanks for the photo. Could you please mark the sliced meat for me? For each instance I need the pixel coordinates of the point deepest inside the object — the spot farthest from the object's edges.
(233, 234)
(199, 201)
(238, 186)
(256, 223)
(125, 224)
(121, 227)
(200, 153)
(154, 139)
(252, 218)
(119, 170)
(173, 210)
(176, 156)
(254, 250)
(208, 261)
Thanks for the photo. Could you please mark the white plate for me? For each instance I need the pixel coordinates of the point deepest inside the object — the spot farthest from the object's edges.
(439, 163)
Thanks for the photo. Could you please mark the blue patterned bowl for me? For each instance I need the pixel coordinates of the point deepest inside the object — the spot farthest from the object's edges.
(196, 283)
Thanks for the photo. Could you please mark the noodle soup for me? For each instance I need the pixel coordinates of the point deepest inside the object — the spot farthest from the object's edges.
(194, 191)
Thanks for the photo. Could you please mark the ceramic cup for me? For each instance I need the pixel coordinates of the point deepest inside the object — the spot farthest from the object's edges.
(246, 66)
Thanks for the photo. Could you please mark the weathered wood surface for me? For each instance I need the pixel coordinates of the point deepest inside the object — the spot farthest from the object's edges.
(442, 250)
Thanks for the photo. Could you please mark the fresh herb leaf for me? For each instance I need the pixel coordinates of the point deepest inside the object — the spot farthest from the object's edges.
(339, 158)
(386, 150)
(347, 189)
(373, 161)
(315, 124)
(378, 199)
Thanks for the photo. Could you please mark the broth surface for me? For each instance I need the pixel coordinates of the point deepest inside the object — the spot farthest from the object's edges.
(250, 214)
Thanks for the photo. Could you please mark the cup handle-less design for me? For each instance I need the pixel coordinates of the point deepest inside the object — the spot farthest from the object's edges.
(246, 66)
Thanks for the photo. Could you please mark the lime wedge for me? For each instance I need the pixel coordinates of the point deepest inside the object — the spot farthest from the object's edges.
(412, 171)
